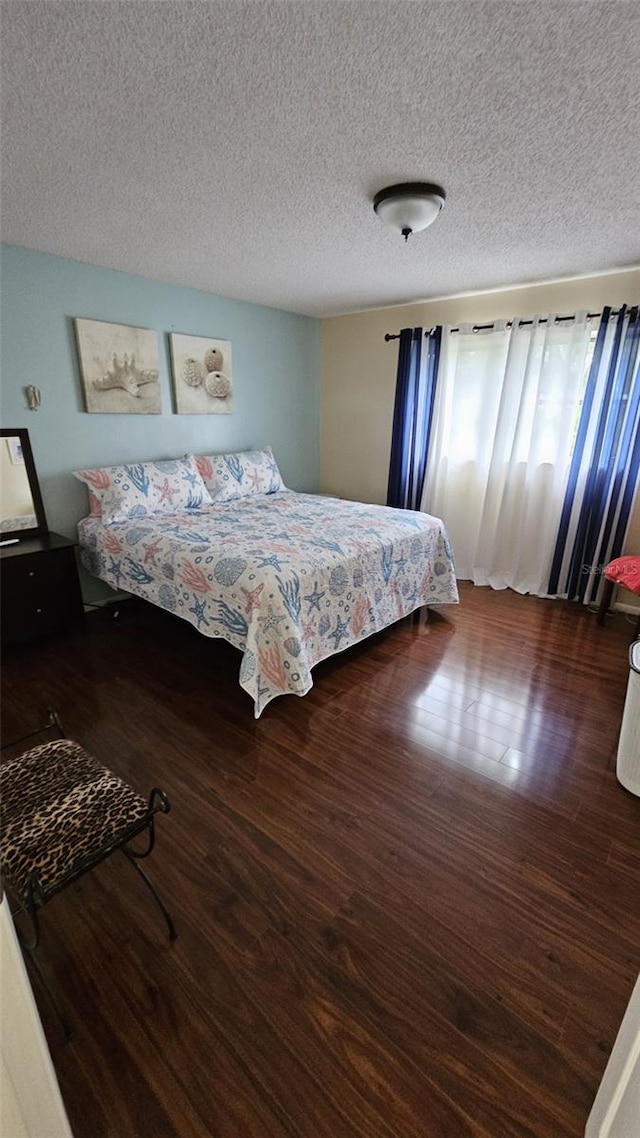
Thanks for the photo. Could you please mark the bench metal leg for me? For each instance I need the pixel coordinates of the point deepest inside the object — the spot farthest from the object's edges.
(132, 859)
(48, 991)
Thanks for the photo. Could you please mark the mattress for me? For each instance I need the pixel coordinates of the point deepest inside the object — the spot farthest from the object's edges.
(288, 579)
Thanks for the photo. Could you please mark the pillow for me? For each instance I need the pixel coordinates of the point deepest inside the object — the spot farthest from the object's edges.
(118, 493)
(230, 476)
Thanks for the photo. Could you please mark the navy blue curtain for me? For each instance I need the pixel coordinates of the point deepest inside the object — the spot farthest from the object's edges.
(418, 359)
(611, 467)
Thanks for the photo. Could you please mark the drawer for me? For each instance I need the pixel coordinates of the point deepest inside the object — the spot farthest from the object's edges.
(40, 595)
(38, 572)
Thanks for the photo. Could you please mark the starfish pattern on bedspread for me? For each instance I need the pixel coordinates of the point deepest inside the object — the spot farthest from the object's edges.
(287, 578)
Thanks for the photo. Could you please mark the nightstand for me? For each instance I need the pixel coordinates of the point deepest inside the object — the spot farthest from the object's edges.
(40, 588)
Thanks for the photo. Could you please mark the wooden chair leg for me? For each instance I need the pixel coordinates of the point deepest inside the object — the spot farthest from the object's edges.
(605, 603)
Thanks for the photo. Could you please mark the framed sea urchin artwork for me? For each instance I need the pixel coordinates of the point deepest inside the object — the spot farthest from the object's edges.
(202, 377)
(118, 368)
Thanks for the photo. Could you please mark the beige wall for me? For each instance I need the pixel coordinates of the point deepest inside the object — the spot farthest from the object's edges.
(358, 369)
(357, 377)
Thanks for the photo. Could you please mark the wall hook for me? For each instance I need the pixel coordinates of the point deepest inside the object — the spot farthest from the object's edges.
(33, 397)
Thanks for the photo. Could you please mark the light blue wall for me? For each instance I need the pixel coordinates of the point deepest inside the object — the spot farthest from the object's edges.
(275, 376)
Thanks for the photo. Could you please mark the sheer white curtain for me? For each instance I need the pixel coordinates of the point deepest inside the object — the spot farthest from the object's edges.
(506, 413)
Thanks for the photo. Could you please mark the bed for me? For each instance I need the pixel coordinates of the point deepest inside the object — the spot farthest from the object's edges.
(289, 579)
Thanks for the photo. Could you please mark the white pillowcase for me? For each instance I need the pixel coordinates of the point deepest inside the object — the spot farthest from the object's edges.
(231, 476)
(136, 490)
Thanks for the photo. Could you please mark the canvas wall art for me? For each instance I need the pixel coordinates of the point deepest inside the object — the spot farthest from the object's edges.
(119, 368)
(202, 377)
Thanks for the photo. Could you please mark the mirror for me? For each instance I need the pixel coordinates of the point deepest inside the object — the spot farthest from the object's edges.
(21, 510)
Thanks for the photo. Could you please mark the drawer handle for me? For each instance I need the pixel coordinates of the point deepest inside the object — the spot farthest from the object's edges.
(32, 572)
(38, 611)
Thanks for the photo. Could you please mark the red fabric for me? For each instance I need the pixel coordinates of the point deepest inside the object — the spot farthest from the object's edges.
(625, 571)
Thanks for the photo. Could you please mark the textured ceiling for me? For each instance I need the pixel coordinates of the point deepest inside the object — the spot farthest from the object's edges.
(236, 147)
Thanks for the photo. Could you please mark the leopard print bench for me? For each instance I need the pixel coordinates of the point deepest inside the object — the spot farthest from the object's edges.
(62, 812)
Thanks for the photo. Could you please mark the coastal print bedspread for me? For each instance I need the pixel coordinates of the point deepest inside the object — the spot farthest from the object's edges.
(287, 578)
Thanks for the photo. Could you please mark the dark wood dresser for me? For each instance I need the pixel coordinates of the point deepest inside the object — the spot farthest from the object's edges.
(40, 588)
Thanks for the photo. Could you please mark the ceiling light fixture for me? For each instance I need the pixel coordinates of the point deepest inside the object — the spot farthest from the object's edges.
(409, 206)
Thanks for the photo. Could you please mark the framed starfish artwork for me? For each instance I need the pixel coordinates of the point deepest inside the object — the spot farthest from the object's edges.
(118, 368)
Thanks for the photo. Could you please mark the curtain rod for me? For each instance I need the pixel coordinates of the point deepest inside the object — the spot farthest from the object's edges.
(522, 323)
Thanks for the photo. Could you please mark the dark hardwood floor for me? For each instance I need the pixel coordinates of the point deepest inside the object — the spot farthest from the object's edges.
(408, 904)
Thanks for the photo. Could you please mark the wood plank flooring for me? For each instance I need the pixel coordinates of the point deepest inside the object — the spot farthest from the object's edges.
(408, 904)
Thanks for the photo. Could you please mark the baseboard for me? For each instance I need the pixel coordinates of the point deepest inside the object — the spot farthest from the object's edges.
(634, 610)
